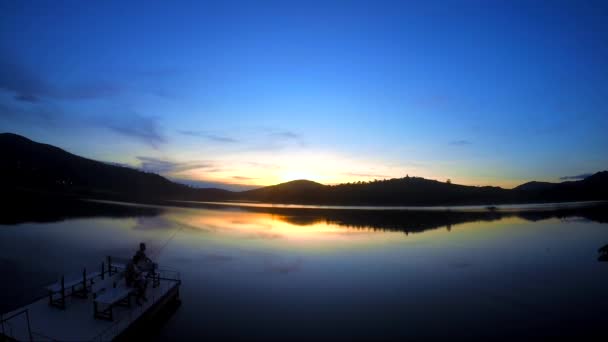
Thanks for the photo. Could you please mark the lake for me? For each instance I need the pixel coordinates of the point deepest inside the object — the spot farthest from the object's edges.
(276, 273)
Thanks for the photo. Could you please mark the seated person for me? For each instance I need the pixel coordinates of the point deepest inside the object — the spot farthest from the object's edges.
(135, 278)
(144, 263)
(603, 253)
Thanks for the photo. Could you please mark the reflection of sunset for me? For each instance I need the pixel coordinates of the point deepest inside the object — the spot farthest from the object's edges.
(263, 228)
(316, 232)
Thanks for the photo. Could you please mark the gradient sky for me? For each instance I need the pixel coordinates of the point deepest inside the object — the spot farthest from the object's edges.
(261, 92)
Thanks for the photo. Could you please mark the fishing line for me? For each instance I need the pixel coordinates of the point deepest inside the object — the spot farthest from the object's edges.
(159, 250)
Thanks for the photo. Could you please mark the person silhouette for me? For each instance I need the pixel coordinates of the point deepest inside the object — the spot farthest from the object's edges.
(135, 278)
(141, 252)
(144, 262)
(603, 253)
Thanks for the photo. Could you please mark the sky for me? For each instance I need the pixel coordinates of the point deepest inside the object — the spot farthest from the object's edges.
(240, 94)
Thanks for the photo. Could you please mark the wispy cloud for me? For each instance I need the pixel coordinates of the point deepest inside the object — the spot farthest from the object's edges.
(283, 134)
(25, 84)
(156, 165)
(577, 177)
(260, 138)
(28, 86)
(210, 184)
(143, 128)
(276, 139)
(365, 175)
(243, 178)
(210, 136)
(31, 114)
(460, 142)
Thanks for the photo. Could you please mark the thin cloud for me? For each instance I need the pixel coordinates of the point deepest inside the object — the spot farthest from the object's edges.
(272, 139)
(25, 84)
(365, 175)
(263, 138)
(243, 178)
(32, 114)
(284, 135)
(210, 136)
(209, 184)
(460, 142)
(28, 86)
(577, 177)
(142, 128)
(155, 165)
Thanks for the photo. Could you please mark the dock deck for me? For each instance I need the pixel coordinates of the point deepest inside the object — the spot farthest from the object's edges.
(77, 321)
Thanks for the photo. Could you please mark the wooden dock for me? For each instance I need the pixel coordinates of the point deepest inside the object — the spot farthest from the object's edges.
(41, 321)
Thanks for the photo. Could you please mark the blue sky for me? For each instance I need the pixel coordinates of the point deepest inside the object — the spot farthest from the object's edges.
(260, 92)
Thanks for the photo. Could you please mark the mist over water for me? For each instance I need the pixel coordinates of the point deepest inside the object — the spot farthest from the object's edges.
(309, 274)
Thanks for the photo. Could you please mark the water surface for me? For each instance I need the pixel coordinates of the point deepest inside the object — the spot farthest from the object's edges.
(298, 273)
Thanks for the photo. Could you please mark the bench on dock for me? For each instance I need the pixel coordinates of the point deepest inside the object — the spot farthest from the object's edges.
(77, 286)
(110, 293)
(105, 294)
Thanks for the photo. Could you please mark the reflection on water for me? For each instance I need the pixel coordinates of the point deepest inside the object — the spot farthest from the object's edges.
(285, 272)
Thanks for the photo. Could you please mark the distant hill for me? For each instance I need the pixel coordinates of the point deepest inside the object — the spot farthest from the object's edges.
(534, 186)
(404, 191)
(33, 167)
(298, 191)
(594, 187)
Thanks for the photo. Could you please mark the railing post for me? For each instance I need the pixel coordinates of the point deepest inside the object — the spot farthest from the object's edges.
(29, 328)
(62, 292)
(84, 280)
(10, 335)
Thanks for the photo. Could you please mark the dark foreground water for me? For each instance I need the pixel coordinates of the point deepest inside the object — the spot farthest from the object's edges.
(300, 273)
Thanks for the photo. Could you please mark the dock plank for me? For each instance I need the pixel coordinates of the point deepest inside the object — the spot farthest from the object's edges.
(77, 322)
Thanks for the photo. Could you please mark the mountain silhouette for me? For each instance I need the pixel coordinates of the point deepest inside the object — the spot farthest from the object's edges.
(45, 167)
(28, 169)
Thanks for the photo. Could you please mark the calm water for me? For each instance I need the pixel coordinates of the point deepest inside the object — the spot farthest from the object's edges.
(299, 273)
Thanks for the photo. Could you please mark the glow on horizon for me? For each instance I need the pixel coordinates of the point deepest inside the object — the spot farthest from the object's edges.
(329, 169)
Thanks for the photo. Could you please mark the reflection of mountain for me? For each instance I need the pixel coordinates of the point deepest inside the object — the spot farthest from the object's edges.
(40, 208)
(52, 208)
(413, 221)
(25, 164)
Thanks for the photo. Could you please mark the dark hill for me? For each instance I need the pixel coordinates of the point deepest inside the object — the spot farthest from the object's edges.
(44, 167)
(298, 191)
(594, 187)
(534, 186)
(34, 167)
(404, 191)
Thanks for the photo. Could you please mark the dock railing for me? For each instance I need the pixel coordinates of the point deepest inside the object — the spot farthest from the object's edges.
(7, 327)
(137, 311)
